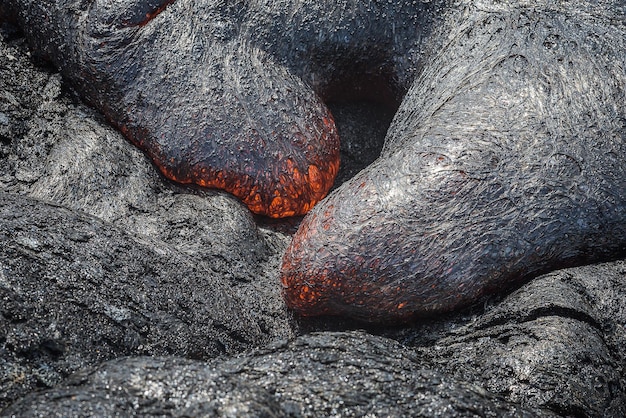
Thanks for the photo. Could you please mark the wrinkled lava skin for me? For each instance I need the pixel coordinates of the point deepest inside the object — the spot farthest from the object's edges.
(210, 90)
(228, 94)
(505, 158)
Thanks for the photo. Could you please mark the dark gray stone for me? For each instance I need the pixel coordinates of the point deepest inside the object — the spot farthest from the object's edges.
(62, 152)
(557, 342)
(75, 291)
(326, 374)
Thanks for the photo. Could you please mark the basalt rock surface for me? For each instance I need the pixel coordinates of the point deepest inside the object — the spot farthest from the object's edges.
(76, 291)
(88, 198)
(324, 374)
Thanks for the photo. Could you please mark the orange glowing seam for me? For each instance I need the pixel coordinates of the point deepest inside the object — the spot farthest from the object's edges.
(153, 14)
(288, 198)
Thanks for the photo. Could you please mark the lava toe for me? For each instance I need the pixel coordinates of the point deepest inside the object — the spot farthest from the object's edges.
(504, 161)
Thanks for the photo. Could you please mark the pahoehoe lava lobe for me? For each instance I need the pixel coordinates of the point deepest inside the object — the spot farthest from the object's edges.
(229, 95)
(195, 85)
(505, 159)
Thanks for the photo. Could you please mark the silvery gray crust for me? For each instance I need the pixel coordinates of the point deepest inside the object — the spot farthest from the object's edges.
(504, 160)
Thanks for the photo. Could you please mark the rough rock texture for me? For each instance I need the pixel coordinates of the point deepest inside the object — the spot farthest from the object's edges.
(77, 291)
(325, 374)
(59, 151)
(554, 346)
(557, 342)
